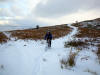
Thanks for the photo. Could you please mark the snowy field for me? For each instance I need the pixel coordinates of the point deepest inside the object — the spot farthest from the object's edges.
(34, 58)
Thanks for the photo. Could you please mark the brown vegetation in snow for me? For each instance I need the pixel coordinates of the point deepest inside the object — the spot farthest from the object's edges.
(3, 38)
(75, 44)
(57, 31)
(86, 32)
(37, 34)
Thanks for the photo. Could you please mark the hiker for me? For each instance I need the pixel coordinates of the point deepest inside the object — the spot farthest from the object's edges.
(48, 37)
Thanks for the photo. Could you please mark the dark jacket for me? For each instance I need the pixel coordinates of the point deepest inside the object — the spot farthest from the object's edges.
(48, 36)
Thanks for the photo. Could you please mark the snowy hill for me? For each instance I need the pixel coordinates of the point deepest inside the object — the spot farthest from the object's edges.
(74, 54)
(90, 23)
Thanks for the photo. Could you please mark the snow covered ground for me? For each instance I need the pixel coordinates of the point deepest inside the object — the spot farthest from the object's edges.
(34, 58)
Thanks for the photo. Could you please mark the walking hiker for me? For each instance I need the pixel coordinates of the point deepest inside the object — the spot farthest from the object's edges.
(48, 37)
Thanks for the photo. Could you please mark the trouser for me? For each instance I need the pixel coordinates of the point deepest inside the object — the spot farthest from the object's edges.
(49, 42)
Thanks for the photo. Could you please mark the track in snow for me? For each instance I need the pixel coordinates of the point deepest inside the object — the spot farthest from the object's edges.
(70, 36)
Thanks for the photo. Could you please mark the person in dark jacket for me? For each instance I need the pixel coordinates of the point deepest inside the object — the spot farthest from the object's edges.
(48, 37)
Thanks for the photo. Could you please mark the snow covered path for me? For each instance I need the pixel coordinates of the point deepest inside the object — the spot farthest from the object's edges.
(50, 57)
(30, 58)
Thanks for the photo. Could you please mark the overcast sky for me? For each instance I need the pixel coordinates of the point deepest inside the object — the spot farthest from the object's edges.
(47, 12)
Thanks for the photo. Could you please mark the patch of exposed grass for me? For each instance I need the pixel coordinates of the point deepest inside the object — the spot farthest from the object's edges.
(3, 38)
(90, 33)
(74, 44)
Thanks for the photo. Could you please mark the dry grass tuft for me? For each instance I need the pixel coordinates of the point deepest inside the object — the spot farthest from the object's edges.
(3, 38)
(71, 60)
(98, 49)
(75, 44)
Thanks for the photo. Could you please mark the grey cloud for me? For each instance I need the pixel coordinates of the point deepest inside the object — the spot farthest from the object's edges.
(10, 12)
(5, 0)
(12, 9)
(26, 21)
(5, 12)
(58, 8)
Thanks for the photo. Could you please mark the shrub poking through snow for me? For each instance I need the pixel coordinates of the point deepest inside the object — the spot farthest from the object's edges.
(98, 49)
(3, 38)
(98, 52)
(71, 58)
(70, 62)
(74, 44)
